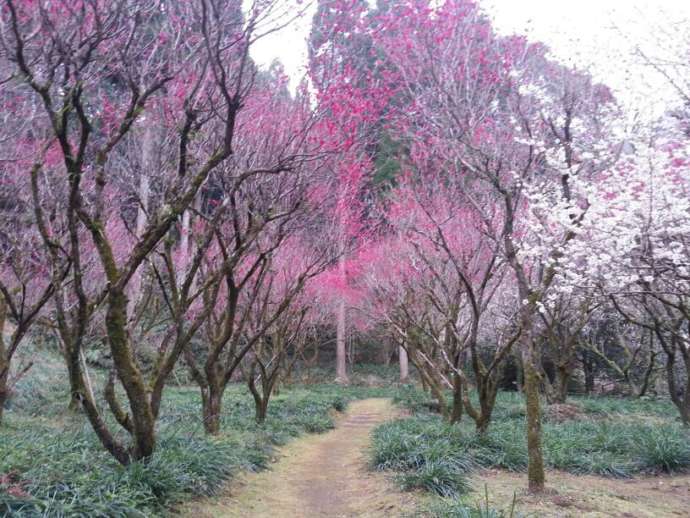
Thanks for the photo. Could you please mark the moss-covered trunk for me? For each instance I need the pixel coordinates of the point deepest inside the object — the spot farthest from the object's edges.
(130, 376)
(683, 403)
(212, 400)
(4, 389)
(560, 394)
(263, 396)
(487, 401)
(74, 404)
(83, 397)
(436, 391)
(535, 466)
(456, 411)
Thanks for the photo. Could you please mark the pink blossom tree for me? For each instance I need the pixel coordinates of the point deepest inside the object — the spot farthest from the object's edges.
(507, 121)
(354, 93)
(282, 314)
(25, 283)
(95, 68)
(263, 196)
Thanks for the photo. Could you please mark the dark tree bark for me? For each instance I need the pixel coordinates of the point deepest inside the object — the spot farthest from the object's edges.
(535, 465)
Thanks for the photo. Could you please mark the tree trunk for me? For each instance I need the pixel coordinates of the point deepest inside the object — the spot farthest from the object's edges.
(535, 466)
(684, 401)
(404, 365)
(134, 289)
(81, 396)
(560, 394)
(184, 243)
(456, 411)
(341, 350)
(487, 391)
(261, 411)
(212, 403)
(4, 360)
(482, 424)
(260, 398)
(143, 422)
(437, 392)
(432, 386)
(685, 412)
(588, 370)
(4, 389)
(646, 380)
(481, 418)
(74, 404)
(519, 375)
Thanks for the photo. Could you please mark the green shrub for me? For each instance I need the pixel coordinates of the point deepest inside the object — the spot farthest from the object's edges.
(626, 407)
(70, 475)
(502, 446)
(614, 440)
(443, 477)
(427, 453)
(413, 399)
(339, 403)
(453, 508)
(662, 449)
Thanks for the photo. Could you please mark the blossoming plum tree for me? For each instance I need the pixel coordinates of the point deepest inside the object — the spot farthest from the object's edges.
(94, 68)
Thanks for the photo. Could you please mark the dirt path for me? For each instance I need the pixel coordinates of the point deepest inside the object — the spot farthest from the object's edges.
(317, 476)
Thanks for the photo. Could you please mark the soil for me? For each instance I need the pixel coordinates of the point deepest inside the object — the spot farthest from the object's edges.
(317, 476)
(588, 496)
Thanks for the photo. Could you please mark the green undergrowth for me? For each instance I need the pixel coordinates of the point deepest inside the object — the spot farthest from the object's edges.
(609, 437)
(59, 469)
(51, 463)
(511, 405)
(362, 375)
(463, 508)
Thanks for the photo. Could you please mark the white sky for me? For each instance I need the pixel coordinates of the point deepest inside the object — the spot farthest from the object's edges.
(599, 35)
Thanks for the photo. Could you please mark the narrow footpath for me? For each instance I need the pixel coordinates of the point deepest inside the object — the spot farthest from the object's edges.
(322, 475)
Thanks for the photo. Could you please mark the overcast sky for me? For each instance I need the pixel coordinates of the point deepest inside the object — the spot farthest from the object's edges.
(599, 35)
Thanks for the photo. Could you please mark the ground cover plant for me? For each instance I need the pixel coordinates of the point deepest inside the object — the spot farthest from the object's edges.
(454, 508)
(611, 437)
(52, 465)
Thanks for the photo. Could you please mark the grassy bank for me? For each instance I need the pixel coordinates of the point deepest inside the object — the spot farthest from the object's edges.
(603, 436)
(51, 463)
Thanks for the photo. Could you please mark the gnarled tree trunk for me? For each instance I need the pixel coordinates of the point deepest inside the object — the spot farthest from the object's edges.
(143, 421)
(212, 399)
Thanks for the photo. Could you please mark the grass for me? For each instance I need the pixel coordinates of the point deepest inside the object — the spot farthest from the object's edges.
(425, 452)
(61, 470)
(455, 508)
(363, 375)
(51, 463)
(413, 399)
(613, 437)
